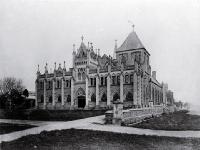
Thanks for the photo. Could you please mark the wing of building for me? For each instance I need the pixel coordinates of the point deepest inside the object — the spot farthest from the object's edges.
(96, 81)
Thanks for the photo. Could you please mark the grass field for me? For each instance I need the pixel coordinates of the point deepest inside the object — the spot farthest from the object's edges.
(85, 139)
(175, 121)
(8, 127)
(50, 115)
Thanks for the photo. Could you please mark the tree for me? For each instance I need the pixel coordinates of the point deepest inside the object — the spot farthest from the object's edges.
(10, 92)
(26, 93)
(9, 83)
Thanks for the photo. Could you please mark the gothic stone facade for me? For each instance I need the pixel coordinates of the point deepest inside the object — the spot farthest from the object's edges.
(95, 82)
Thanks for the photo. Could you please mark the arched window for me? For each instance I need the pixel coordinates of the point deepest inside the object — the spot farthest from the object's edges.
(93, 98)
(129, 96)
(104, 98)
(49, 84)
(126, 78)
(50, 99)
(67, 83)
(79, 76)
(42, 99)
(58, 84)
(83, 76)
(69, 98)
(116, 97)
(118, 80)
(153, 93)
(59, 98)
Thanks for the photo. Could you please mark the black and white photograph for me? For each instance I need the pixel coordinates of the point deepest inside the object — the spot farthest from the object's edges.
(100, 74)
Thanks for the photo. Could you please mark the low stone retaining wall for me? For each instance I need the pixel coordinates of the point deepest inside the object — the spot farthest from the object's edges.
(136, 115)
(132, 116)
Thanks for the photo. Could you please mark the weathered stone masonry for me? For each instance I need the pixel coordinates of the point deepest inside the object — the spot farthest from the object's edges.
(95, 82)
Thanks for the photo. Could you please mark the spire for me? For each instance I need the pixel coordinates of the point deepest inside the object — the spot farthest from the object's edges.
(88, 45)
(115, 44)
(46, 69)
(54, 66)
(38, 68)
(38, 71)
(82, 38)
(74, 48)
(59, 67)
(115, 49)
(132, 42)
(64, 66)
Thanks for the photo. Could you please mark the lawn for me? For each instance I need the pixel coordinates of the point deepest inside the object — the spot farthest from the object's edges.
(175, 121)
(50, 115)
(8, 127)
(85, 139)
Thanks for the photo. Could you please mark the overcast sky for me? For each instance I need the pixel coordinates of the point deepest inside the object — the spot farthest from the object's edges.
(38, 31)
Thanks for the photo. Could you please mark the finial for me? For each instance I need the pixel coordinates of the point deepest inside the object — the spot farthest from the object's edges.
(55, 66)
(38, 68)
(115, 44)
(98, 52)
(88, 45)
(59, 65)
(46, 70)
(133, 26)
(91, 46)
(64, 64)
(82, 38)
(74, 47)
(131, 22)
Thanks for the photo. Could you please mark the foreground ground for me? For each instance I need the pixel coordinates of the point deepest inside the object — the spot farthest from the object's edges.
(49, 115)
(85, 139)
(179, 121)
(9, 127)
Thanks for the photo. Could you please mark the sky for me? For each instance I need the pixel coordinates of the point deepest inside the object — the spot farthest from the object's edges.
(34, 32)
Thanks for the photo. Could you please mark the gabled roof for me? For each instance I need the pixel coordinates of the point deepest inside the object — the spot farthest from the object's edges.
(82, 48)
(155, 81)
(82, 51)
(132, 42)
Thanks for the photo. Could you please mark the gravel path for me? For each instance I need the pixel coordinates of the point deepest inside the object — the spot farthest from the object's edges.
(92, 123)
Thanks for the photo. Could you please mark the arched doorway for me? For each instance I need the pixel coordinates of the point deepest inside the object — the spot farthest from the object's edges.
(81, 101)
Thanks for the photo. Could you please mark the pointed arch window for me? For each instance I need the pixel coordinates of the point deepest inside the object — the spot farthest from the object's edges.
(69, 98)
(104, 98)
(118, 80)
(83, 76)
(127, 78)
(59, 99)
(129, 96)
(42, 99)
(93, 98)
(116, 97)
(50, 99)
(79, 76)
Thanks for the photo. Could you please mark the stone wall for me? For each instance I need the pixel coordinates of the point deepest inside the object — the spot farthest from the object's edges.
(131, 116)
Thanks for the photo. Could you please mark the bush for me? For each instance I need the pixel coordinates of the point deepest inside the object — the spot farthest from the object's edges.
(39, 115)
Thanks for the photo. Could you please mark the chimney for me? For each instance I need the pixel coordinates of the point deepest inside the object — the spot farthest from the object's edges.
(154, 74)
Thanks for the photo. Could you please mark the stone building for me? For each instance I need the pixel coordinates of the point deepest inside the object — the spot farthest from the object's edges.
(95, 82)
(170, 98)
